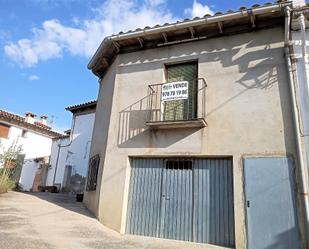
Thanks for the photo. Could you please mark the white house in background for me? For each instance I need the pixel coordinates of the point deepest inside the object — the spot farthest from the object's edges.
(58, 157)
(70, 152)
(35, 137)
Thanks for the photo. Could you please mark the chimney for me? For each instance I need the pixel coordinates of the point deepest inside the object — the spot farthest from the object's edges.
(43, 119)
(29, 117)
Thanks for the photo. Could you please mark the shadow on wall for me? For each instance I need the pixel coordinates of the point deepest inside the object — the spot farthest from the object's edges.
(286, 240)
(132, 129)
(259, 68)
(134, 133)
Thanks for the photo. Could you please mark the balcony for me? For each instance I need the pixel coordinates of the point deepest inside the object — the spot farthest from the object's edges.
(182, 107)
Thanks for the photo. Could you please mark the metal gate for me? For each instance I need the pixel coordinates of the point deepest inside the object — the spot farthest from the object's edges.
(183, 199)
(270, 199)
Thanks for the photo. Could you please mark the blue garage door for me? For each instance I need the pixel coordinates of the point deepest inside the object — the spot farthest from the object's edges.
(183, 199)
(270, 201)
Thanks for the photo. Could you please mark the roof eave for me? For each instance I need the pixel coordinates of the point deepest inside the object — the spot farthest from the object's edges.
(90, 104)
(111, 40)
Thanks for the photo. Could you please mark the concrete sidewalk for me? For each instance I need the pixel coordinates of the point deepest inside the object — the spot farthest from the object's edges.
(56, 221)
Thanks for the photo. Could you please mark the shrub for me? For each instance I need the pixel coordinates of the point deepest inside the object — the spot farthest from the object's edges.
(6, 183)
(8, 163)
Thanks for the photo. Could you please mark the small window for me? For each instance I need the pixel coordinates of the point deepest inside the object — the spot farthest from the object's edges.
(93, 173)
(179, 164)
(4, 131)
(24, 133)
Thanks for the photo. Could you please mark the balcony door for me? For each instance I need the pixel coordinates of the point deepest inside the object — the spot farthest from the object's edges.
(184, 109)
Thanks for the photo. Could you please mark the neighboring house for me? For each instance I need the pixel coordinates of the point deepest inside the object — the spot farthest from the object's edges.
(58, 157)
(35, 138)
(70, 152)
(213, 155)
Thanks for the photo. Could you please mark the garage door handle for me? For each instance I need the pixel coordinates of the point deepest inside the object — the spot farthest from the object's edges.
(166, 197)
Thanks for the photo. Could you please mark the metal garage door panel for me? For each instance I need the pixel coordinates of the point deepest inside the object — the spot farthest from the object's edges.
(213, 202)
(145, 197)
(271, 216)
(177, 208)
(189, 200)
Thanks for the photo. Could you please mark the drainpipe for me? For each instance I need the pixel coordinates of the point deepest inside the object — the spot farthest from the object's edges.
(305, 82)
(296, 115)
(56, 167)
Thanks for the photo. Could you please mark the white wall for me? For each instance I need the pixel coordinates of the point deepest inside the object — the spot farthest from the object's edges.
(61, 161)
(34, 145)
(80, 146)
(74, 150)
(28, 173)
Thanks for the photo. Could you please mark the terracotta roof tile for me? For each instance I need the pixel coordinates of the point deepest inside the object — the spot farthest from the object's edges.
(105, 46)
(194, 18)
(91, 103)
(20, 121)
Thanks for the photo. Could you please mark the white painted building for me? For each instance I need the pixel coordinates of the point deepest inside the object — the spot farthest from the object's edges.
(58, 157)
(35, 138)
(70, 153)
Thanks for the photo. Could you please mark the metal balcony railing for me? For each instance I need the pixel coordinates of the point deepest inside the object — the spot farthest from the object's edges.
(192, 108)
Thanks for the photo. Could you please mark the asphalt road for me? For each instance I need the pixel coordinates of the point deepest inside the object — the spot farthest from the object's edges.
(56, 221)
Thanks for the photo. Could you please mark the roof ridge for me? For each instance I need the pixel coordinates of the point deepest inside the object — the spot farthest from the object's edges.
(21, 120)
(112, 45)
(229, 11)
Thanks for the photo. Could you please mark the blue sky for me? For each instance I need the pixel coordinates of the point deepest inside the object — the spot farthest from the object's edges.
(45, 46)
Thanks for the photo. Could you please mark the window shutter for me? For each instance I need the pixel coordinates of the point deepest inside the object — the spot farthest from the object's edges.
(182, 109)
(4, 131)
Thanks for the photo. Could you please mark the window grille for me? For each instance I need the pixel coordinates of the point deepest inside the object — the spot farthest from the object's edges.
(93, 173)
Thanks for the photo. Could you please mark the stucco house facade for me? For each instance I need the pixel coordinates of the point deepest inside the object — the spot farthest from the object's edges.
(35, 138)
(195, 136)
(70, 152)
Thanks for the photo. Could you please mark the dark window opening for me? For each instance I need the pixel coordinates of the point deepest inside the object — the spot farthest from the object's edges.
(24, 133)
(93, 173)
(179, 164)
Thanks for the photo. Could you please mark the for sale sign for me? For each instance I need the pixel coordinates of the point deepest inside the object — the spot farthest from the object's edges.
(175, 91)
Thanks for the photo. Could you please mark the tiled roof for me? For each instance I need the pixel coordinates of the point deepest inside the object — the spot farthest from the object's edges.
(42, 125)
(242, 8)
(243, 20)
(20, 121)
(61, 136)
(90, 104)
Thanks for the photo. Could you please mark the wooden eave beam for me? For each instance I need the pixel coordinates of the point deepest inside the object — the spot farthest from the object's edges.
(252, 18)
(141, 42)
(220, 26)
(165, 37)
(192, 31)
(117, 46)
